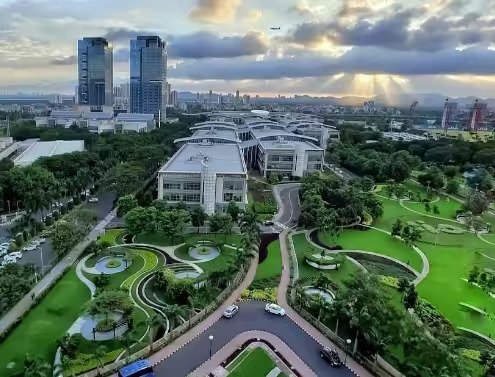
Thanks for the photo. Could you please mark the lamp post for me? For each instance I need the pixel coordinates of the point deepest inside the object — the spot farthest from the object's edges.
(211, 341)
(8, 205)
(348, 343)
(17, 206)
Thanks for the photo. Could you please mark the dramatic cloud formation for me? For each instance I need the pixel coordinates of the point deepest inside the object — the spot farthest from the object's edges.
(215, 11)
(230, 43)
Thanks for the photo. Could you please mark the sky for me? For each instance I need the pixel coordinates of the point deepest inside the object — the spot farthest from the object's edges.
(323, 48)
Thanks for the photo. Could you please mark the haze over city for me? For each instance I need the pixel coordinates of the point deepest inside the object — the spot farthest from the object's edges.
(355, 47)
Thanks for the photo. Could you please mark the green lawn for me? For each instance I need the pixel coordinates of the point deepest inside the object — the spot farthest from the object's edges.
(256, 363)
(220, 262)
(272, 265)
(45, 324)
(305, 270)
(111, 236)
(378, 242)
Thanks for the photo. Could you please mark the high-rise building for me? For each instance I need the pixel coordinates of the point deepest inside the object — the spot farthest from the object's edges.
(236, 96)
(121, 96)
(172, 101)
(95, 67)
(148, 75)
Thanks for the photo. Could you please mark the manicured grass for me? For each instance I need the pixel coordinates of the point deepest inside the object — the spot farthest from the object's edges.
(159, 239)
(256, 364)
(447, 207)
(301, 245)
(272, 265)
(378, 242)
(45, 324)
(150, 262)
(220, 262)
(111, 236)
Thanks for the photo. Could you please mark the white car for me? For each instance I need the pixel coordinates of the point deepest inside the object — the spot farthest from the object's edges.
(231, 311)
(5, 244)
(15, 255)
(3, 252)
(93, 200)
(275, 309)
(41, 240)
(7, 261)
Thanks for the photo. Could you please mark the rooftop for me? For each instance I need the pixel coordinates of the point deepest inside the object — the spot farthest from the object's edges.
(126, 117)
(46, 149)
(191, 158)
(283, 144)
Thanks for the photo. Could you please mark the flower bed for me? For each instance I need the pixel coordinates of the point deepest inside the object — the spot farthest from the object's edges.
(391, 281)
(267, 294)
(450, 229)
(322, 262)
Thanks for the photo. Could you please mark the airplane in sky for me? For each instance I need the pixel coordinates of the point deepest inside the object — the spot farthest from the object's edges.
(275, 28)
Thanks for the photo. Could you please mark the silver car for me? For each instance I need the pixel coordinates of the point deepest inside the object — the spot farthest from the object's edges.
(231, 311)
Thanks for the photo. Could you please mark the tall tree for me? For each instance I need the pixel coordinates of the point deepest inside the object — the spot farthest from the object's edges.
(125, 204)
(233, 210)
(477, 203)
(198, 217)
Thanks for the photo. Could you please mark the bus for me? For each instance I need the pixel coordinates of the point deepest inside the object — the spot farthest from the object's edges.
(139, 368)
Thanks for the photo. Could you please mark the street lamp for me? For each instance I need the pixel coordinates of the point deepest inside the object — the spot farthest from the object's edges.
(348, 341)
(211, 341)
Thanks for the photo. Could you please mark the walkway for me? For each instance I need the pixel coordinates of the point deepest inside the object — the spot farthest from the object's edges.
(81, 266)
(25, 303)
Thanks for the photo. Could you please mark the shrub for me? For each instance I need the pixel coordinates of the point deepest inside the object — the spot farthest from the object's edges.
(18, 239)
(48, 220)
(105, 325)
(390, 281)
(102, 280)
(315, 257)
(267, 294)
(63, 210)
(77, 200)
(25, 235)
(56, 215)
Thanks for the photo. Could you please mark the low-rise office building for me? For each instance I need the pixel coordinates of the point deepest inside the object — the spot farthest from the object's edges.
(40, 149)
(207, 174)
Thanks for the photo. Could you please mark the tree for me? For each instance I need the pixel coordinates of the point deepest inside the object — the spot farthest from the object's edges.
(125, 204)
(452, 186)
(123, 178)
(411, 297)
(151, 322)
(198, 217)
(340, 259)
(173, 223)
(411, 235)
(233, 210)
(68, 345)
(140, 219)
(130, 337)
(102, 280)
(451, 171)
(100, 352)
(108, 302)
(477, 203)
(403, 285)
(427, 207)
(64, 236)
(337, 310)
(432, 179)
(474, 274)
(396, 228)
(174, 313)
(36, 367)
(221, 223)
(487, 360)
(436, 211)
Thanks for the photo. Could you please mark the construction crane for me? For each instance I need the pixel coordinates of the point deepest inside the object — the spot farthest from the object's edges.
(412, 109)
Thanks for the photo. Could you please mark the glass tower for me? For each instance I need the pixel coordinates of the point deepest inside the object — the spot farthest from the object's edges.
(95, 66)
(148, 69)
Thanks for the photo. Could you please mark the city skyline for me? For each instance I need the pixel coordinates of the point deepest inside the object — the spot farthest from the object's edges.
(355, 47)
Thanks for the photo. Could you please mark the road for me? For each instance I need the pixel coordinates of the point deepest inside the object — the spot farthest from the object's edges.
(102, 208)
(251, 316)
(343, 173)
(288, 194)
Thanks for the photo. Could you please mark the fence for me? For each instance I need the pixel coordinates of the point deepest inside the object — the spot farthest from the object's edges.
(171, 336)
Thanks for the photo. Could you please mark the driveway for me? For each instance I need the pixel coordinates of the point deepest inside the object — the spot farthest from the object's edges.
(251, 316)
(288, 194)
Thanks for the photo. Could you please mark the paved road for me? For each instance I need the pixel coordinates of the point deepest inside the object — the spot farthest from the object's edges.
(343, 173)
(289, 194)
(251, 316)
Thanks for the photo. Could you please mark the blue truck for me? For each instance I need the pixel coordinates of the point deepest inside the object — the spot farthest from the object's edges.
(139, 368)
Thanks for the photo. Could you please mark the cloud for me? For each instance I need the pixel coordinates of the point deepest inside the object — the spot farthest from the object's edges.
(395, 32)
(208, 45)
(367, 60)
(66, 60)
(123, 35)
(215, 11)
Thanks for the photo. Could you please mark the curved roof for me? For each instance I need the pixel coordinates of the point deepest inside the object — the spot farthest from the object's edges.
(214, 122)
(200, 139)
(214, 126)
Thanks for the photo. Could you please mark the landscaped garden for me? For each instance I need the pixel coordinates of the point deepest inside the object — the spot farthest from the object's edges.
(253, 362)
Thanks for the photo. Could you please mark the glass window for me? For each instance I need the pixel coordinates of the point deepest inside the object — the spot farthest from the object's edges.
(171, 186)
(192, 186)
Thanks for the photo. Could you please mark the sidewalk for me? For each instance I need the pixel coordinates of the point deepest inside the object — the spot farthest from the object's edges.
(239, 340)
(25, 303)
(301, 322)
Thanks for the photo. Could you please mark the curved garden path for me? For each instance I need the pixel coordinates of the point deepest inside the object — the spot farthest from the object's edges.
(401, 203)
(81, 266)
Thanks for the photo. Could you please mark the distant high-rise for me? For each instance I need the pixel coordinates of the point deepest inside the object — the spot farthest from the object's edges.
(95, 66)
(236, 96)
(148, 75)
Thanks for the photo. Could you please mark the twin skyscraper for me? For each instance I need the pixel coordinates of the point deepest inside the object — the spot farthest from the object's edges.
(148, 74)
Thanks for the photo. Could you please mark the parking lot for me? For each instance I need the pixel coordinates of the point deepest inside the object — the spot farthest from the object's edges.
(43, 254)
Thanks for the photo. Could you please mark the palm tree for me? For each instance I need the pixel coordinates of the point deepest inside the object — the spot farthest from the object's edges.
(151, 322)
(98, 356)
(174, 312)
(62, 367)
(362, 321)
(68, 345)
(194, 302)
(36, 367)
(337, 310)
(130, 337)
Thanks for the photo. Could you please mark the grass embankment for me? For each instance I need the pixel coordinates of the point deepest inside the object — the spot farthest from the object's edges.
(252, 363)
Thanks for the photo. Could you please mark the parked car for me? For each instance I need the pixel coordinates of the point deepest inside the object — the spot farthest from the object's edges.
(331, 356)
(41, 240)
(269, 223)
(231, 311)
(93, 200)
(275, 309)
